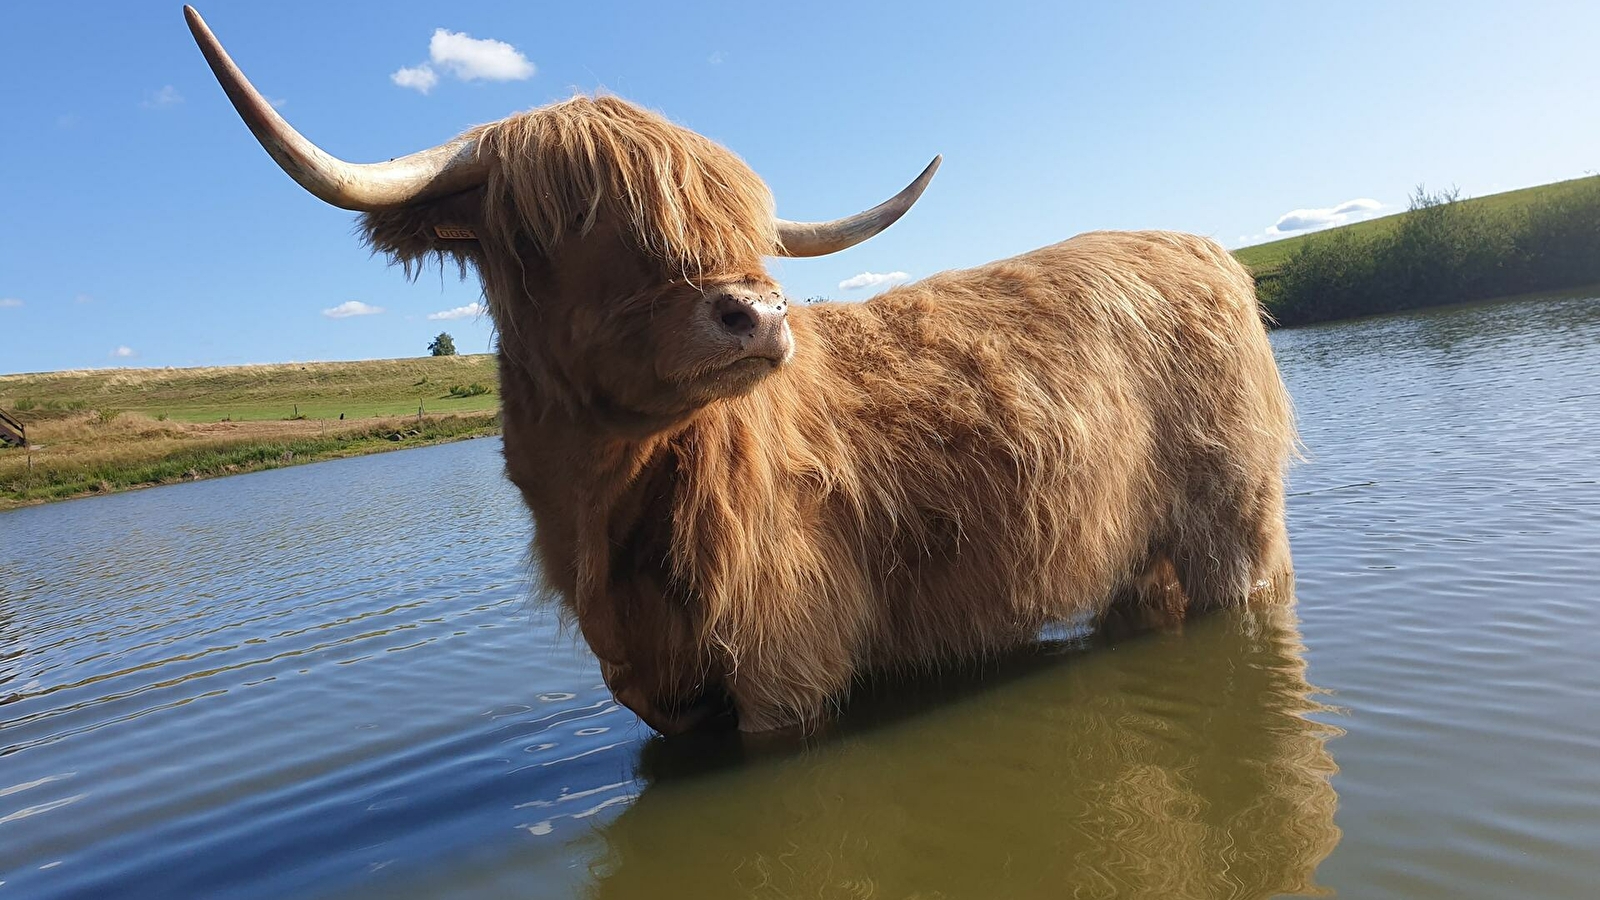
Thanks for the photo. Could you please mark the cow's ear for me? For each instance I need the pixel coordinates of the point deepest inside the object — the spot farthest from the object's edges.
(439, 229)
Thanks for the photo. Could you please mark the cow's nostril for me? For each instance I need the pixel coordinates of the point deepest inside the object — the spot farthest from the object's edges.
(739, 321)
(738, 317)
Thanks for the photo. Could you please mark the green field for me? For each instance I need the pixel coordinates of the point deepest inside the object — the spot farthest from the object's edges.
(89, 455)
(1263, 260)
(103, 430)
(358, 390)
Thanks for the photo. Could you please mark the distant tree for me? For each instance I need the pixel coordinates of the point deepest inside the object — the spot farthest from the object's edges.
(443, 345)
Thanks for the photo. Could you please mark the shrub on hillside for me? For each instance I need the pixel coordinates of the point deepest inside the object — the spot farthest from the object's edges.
(1561, 239)
(468, 390)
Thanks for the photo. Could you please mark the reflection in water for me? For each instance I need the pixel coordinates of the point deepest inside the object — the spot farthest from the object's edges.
(1439, 338)
(1170, 765)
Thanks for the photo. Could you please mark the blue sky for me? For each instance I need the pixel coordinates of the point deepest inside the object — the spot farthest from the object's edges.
(140, 224)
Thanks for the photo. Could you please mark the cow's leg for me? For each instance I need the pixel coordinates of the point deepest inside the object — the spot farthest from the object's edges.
(1152, 599)
(1234, 548)
(1272, 577)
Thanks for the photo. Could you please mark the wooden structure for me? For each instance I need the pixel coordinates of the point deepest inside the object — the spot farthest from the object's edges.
(12, 432)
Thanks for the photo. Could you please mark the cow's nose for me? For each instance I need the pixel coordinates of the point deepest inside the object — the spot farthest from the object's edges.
(745, 316)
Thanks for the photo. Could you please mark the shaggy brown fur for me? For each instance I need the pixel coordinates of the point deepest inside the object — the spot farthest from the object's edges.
(938, 472)
(565, 168)
(955, 463)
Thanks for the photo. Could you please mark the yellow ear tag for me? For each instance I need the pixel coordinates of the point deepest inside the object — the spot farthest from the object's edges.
(454, 233)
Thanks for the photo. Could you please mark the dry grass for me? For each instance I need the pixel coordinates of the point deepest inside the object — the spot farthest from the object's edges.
(78, 453)
(326, 390)
(86, 438)
(98, 430)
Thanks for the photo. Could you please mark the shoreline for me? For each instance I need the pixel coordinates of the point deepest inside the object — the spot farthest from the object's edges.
(204, 461)
(1578, 292)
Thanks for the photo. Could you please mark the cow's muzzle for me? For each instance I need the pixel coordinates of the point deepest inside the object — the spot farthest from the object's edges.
(710, 710)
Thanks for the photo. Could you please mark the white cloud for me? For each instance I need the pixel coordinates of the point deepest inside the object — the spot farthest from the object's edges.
(471, 310)
(123, 352)
(873, 280)
(467, 58)
(1303, 221)
(470, 59)
(352, 308)
(715, 59)
(83, 298)
(1298, 220)
(166, 97)
(9, 303)
(418, 78)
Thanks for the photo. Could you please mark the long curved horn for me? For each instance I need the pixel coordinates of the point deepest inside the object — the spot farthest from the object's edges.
(436, 172)
(822, 238)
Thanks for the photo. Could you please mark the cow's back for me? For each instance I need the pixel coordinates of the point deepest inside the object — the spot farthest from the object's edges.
(1033, 432)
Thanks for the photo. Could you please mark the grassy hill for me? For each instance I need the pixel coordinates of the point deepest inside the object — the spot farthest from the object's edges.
(380, 387)
(1442, 250)
(1264, 260)
(102, 430)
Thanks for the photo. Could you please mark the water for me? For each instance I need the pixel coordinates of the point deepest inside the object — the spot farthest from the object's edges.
(329, 681)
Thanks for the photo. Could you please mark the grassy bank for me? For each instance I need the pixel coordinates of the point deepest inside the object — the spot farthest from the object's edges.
(86, 454)
(105, 430)
(1441, 250)
(357, 390)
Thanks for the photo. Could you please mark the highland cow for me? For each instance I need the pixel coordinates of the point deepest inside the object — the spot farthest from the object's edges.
(746, 507)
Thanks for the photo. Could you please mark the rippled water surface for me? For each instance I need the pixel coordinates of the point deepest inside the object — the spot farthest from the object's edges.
(330, 681)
